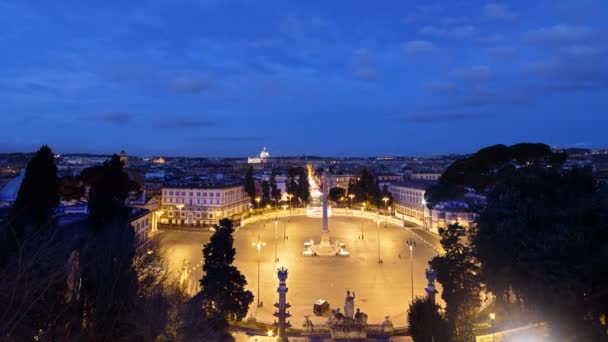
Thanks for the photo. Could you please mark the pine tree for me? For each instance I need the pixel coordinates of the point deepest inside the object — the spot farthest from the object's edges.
(37, 198)
(223, 293)
(275, 192)
(250, 184)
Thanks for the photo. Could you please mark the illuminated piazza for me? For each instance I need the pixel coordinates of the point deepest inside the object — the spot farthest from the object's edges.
(382, 289)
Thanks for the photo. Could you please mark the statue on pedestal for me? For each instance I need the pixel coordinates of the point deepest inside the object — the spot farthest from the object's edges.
(349, 305)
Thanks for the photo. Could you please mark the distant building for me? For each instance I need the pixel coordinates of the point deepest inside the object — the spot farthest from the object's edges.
(124, 158)
(263, 158)
(429, 176)
(388, 178)
(202, 204)
(408, 197)
(140, 220)
(342, 180)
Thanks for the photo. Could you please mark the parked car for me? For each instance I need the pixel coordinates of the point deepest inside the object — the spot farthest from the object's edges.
(320, 307)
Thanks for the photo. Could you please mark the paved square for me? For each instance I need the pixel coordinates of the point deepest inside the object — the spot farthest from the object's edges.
(381, 289)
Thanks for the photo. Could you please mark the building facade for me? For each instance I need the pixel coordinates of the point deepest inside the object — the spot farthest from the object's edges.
(201, 205)
(408, 198)
(428, 176)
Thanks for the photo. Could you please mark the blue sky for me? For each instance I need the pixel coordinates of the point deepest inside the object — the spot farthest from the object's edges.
(340, 77)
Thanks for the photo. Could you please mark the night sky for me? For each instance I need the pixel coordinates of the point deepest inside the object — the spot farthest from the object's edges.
(339, 77)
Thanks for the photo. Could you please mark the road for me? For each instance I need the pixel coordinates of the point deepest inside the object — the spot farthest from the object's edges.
(381, 289)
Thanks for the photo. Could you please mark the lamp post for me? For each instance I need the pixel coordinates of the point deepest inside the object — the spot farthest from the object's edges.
(362, 237)
(276, 222)
(351, 196)
(180, 207)
(257, 200)
(385, 200)
(493, 319)
(411, 243)
(258, 245)
(290, 196)
(423, 205)
(378, 226)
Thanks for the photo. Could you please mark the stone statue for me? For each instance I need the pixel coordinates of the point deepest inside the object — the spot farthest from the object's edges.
(349, 305)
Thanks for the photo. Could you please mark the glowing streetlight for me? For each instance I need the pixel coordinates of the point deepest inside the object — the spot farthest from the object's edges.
(411, 243)
(258, 245)
(385, 200)
(351, 196)
(276, 222)
(180, 207)
(378, 222)
(290, 196)
(258, 199)
(493, 318)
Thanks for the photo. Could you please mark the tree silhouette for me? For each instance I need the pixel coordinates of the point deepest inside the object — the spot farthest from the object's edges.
(250, 184)
(223, 296)
(426, 323)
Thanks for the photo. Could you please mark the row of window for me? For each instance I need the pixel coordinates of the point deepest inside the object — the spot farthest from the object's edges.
(191, 202)
(191, 193)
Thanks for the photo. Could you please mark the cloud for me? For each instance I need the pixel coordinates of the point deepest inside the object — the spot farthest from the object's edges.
(231, 139)
(117, 118)
(562, 34)
(361, 67)
(477, 74)
(574, 67)
(461, 32)
(440, 87)
(190, 85)
(498, 12)
(415, 47)
(447, 115)
(181, 83)
(184, 122)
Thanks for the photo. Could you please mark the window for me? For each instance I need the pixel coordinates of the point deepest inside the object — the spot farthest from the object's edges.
(171, 193)
(217, 194)
(183, 193)
(190, 193)
(198, 193)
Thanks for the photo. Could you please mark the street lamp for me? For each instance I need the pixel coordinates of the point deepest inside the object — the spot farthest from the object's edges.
(258, 245)
(276, 222)
(378, 226)
(362, 237)
(351, 196)
(290, 196)
(385, 200)
(180, 207)
(258, 199)
(411, 243)
(493, 318)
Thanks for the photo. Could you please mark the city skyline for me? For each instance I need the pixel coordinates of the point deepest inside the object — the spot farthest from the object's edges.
(213, 78)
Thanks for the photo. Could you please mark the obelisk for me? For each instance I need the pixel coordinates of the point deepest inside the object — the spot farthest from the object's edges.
(325, 248)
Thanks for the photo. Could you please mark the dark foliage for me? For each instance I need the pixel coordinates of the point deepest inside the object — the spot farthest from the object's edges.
(426, 322)
(544, 239)
(223, 296)
(110, 188)
(337, 194)
(37, 198)
(480, 171)
(250, 184)
(458, 272)
(366, 189)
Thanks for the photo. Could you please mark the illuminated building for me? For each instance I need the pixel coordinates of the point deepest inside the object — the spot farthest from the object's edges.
(202, 204)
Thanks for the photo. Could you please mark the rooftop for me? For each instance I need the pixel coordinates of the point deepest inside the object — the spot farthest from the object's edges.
(420, 184)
